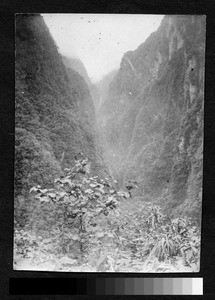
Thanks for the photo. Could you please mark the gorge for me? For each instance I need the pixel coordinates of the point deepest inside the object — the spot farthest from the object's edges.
(113, 166)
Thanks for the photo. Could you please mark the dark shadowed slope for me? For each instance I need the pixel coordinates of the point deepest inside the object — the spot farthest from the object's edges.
(55, 117)
(152, 118)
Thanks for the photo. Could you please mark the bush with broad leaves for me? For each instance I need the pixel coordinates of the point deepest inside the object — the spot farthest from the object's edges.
(73, 216)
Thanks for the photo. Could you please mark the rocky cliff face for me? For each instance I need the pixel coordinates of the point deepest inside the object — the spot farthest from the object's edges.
(55, 118)
(152, 118)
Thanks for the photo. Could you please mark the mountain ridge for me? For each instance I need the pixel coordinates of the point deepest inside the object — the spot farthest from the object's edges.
(153, 104)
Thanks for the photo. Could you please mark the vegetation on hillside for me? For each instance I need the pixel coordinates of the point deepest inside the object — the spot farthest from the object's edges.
(151, 121)
(82, 224)
(70, 213)
(55, 117)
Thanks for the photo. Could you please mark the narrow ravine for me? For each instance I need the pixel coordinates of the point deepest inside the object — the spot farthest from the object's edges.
(108, 175)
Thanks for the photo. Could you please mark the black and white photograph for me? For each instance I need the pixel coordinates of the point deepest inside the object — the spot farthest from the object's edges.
(109, 122)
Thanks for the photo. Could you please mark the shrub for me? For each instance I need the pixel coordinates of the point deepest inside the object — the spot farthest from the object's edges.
(73, 217)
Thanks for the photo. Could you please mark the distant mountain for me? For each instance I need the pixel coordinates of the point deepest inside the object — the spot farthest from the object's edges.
(55, 116)
(77, 65)
(152, 118)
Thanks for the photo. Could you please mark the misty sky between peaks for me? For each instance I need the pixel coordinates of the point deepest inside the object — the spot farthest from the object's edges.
(100, 40)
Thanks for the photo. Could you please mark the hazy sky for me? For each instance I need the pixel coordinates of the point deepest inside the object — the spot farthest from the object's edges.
(100, 40)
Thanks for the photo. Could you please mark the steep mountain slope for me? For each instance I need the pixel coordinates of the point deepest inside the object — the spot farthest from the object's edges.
(55, 118)
(102, 87)
(152, 119)
(77, 65)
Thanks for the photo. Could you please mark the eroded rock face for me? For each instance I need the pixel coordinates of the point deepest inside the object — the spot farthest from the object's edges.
(55, 116)
(152, 117)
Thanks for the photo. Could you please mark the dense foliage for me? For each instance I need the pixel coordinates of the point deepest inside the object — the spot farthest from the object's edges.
(70, 213)
(83, 224)
(55, 116)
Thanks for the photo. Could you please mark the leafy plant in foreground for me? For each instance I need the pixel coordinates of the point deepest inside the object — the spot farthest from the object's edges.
(169, 239)
(74, 215)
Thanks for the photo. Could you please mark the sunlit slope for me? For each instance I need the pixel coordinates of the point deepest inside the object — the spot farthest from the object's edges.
(152, 117)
